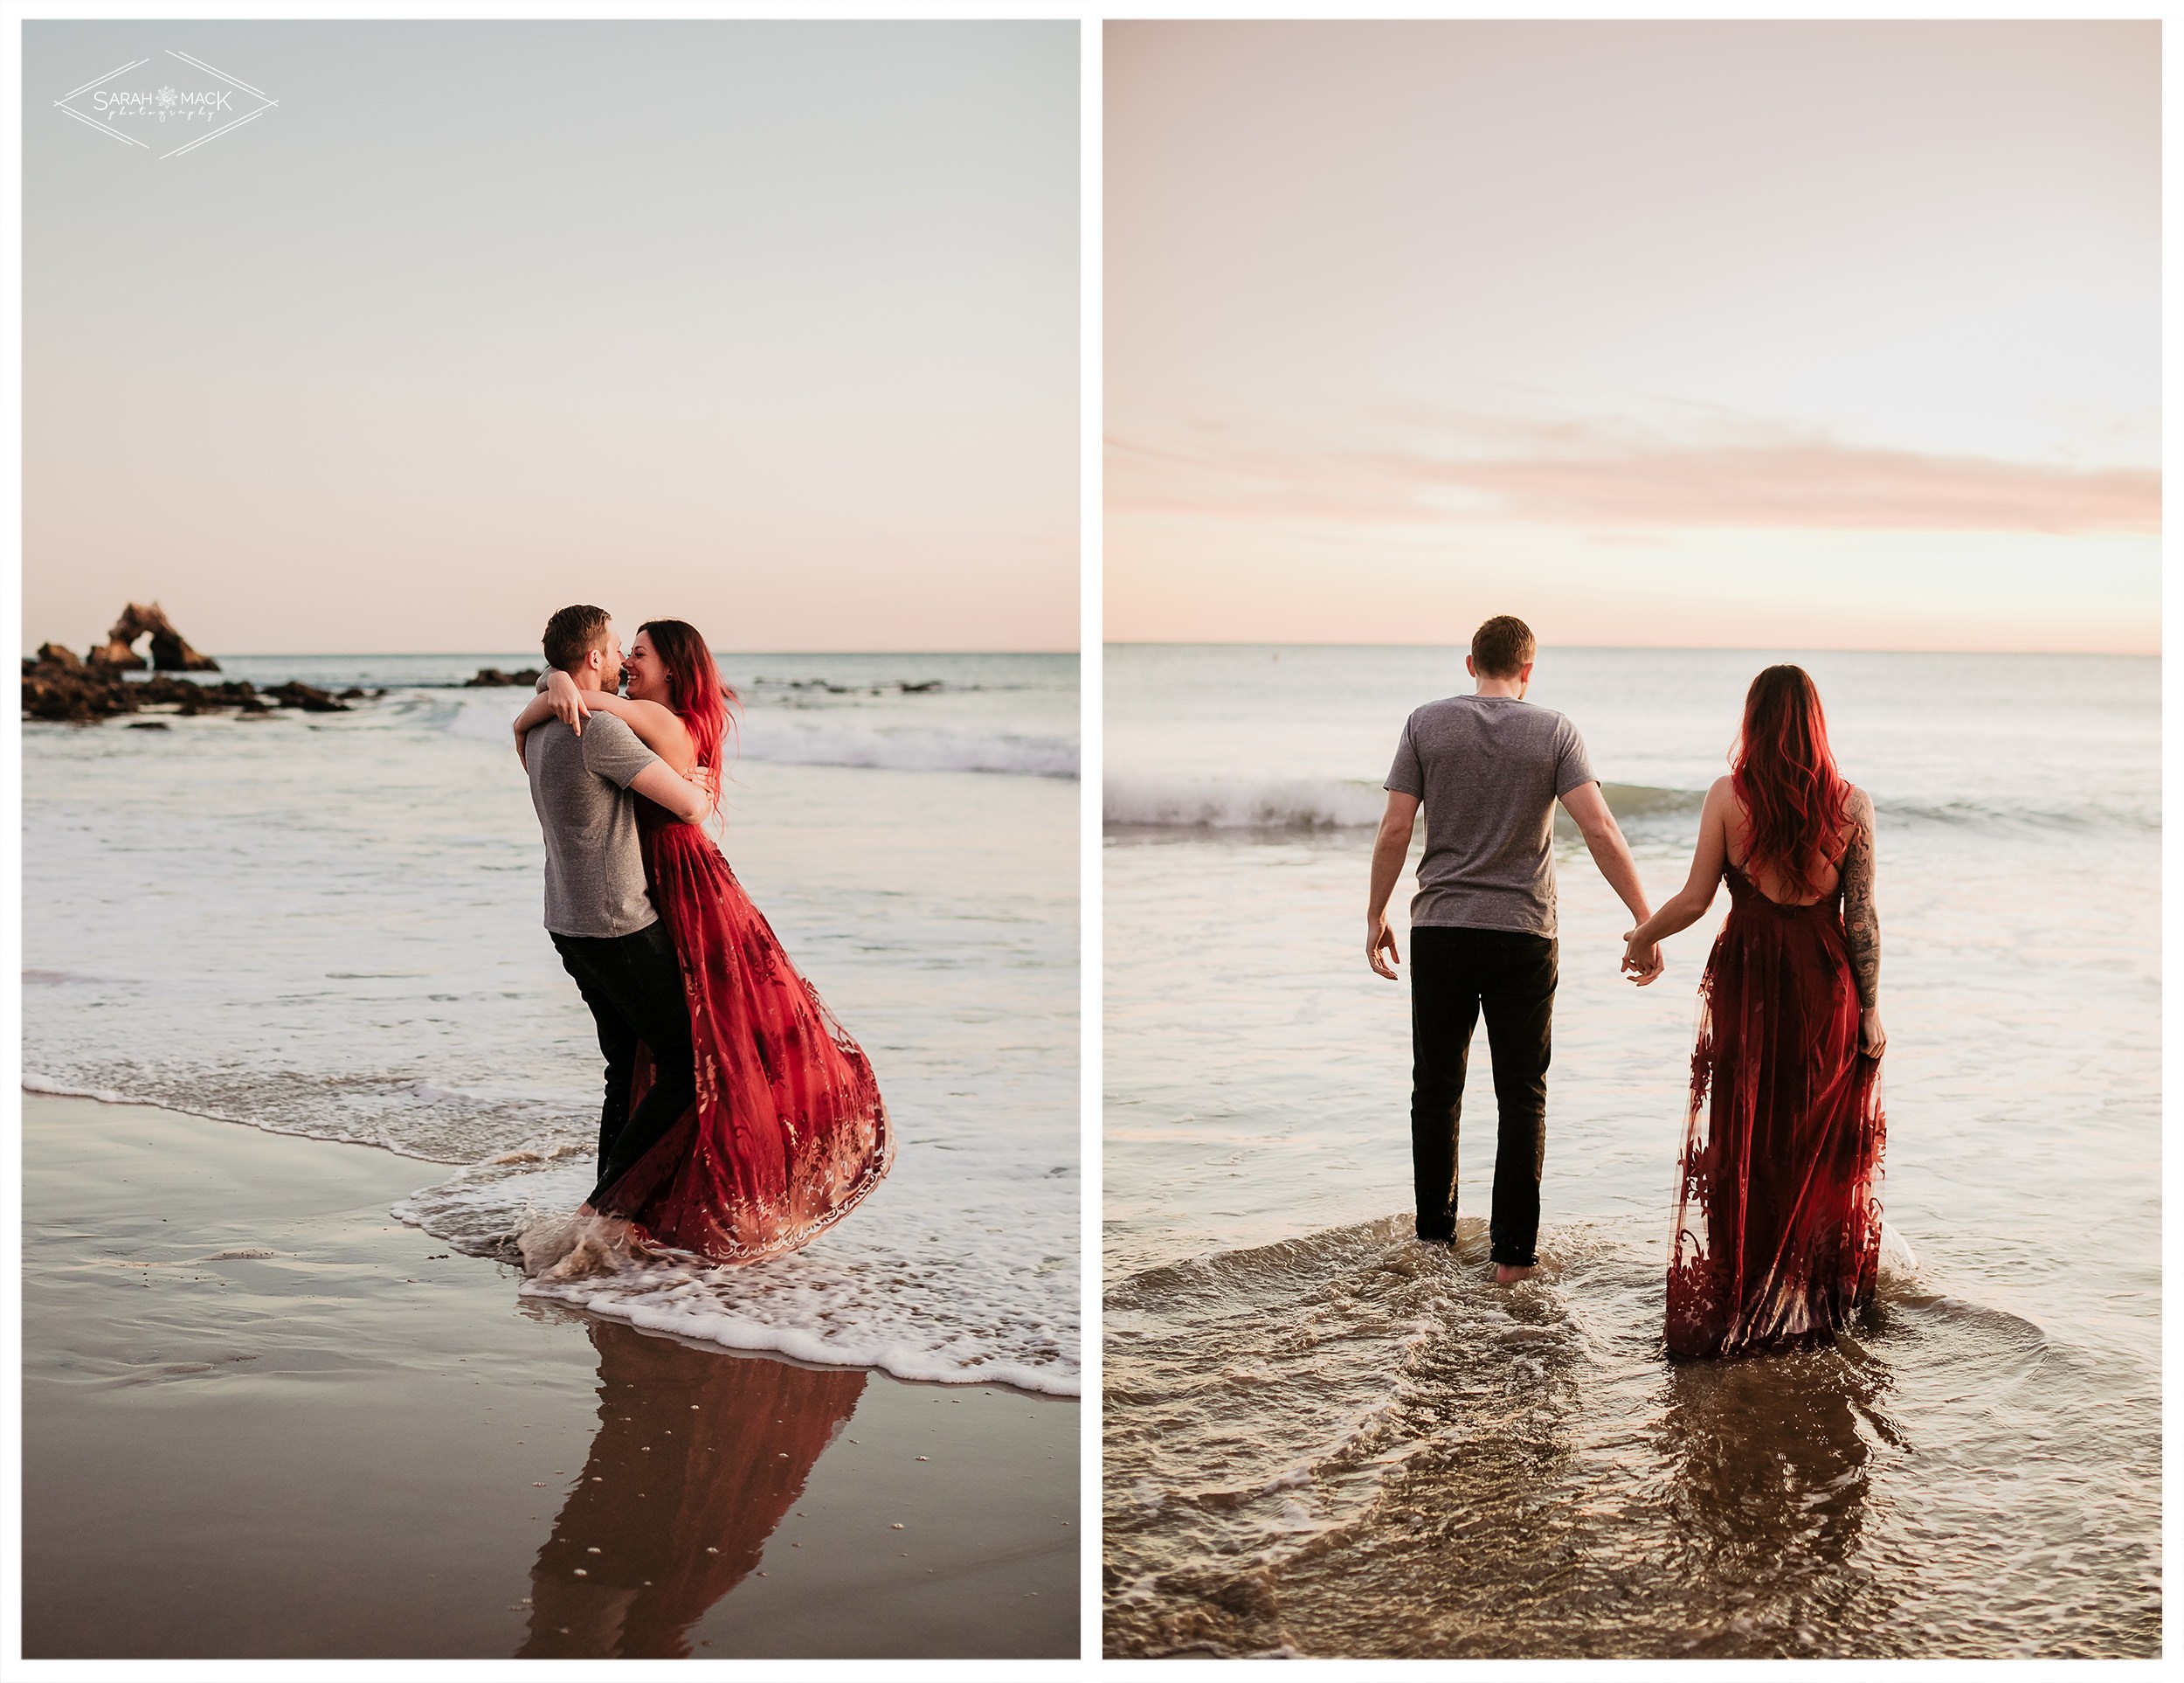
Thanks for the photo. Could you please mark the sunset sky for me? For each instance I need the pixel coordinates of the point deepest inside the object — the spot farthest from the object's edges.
(771, 327)
(1776, 335)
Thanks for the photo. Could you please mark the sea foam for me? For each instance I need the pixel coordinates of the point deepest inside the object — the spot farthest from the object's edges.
(330, 926)
(873, 1293)
(795, 735)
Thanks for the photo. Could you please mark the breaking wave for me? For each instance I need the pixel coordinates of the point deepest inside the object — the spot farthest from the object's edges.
(1309, 804)
(1313, 804)
(792, 737)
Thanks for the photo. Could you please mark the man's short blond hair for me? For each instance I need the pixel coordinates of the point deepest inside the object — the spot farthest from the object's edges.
(574, 633)
(1502, 647)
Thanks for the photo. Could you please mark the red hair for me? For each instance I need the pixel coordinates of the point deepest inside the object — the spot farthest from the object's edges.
(697, 693)
(1785, 777)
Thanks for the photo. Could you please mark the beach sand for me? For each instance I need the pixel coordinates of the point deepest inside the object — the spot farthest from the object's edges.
(339, 1440)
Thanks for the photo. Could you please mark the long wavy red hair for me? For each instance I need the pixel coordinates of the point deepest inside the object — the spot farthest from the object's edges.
(1784, 775)
(696, 692)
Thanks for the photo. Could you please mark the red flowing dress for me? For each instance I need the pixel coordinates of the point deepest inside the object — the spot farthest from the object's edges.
(788, 1133)
(1778, 1226)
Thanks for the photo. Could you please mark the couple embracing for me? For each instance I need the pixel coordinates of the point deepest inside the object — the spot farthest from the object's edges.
(1778, 1230)
(739, 1120)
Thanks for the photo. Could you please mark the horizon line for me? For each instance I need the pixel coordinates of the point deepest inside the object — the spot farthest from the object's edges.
(502, 654)
(1656, 649)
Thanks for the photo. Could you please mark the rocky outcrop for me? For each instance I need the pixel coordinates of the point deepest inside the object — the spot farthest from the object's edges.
(63, 690)
(171, 651)
(58, 686)
(116, 655)
(491, 678)
(310, 700)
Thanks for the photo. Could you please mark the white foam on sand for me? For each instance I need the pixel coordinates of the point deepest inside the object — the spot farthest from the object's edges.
(906, 1286)
(929, 1279)
(39, 1083)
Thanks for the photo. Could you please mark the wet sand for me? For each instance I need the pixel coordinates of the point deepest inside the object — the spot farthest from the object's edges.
(262, 1418)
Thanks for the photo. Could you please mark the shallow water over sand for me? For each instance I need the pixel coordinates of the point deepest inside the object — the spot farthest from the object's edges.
(330, 924)
(1352, 1444)
(1325, 1438)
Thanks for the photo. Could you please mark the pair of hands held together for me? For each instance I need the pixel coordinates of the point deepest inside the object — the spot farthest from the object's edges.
(1642, 963)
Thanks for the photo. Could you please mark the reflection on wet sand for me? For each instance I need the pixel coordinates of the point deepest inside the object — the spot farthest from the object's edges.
(690, 1471)
(1770, 1463)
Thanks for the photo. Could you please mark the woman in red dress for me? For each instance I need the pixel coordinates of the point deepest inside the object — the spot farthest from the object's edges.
(788, 1133)
(1778, 1228)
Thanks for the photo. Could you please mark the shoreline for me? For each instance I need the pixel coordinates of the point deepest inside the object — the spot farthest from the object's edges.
(263, 1417)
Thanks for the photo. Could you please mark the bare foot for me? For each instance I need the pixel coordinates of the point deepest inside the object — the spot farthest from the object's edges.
(599, 1244)
(1505, 1275)
(596, 1251)
(546, 1240)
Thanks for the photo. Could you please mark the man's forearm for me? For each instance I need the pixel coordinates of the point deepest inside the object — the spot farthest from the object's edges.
(1388, 853)
(1611, 853)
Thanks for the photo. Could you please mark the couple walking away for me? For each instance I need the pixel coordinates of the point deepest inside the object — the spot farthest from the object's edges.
(1778, 1230)
(739, 1120)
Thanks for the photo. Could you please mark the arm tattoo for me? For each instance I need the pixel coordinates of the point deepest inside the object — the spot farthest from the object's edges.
(1861, 920)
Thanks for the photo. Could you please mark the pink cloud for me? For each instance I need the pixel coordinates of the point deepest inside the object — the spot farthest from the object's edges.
(1587, 474)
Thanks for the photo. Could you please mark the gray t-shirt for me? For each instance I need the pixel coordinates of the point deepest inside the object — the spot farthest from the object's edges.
(595, 871)
(1488, 770)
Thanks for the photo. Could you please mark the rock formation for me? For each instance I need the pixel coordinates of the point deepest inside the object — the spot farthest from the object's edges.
(58, 686)
(170, 652)
(61, 689)
(491, 678)
(310, 700)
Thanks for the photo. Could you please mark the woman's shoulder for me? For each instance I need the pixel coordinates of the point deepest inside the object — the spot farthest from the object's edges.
(651, 711)
(1857, 820)
(657, 724)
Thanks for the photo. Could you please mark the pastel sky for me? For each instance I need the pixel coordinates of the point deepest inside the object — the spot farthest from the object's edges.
(1706, 334)
(771, 327)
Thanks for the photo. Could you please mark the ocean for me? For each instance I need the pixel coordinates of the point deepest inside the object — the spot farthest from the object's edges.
(1324, 1438)
(329, 924)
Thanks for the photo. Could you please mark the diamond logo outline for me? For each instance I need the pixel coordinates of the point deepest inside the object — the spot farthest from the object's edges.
(167, 101)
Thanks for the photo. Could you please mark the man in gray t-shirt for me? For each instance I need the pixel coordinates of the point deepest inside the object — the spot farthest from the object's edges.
(1488, 769)
(594, 871)
(602, 921)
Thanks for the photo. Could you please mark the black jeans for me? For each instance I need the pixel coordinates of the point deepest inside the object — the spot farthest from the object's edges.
(1454, 973)
(633, 984)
